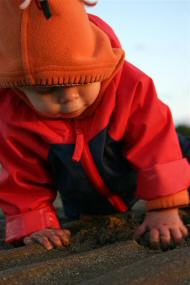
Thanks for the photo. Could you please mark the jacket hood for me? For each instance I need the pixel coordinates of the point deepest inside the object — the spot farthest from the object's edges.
(68, 48)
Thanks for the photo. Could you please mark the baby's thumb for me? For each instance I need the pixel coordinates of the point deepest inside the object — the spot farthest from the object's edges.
(139, 232)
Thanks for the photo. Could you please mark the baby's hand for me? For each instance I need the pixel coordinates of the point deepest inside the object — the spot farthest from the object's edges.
(50, 238)
(164, 226)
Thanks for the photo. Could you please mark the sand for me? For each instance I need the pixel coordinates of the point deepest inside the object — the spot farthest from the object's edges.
(102, 251)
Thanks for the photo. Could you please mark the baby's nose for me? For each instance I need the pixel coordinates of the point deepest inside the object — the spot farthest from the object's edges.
(67, 97)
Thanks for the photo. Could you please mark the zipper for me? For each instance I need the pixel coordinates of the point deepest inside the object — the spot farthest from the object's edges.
(82, 153)
(79, 145)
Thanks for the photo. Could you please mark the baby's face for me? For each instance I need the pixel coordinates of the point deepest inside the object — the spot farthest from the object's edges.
(54, 101)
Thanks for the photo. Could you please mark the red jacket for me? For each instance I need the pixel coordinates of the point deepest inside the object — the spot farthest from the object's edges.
(131, 129)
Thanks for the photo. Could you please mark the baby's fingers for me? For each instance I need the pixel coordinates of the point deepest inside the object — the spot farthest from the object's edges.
(184, 231)
(27, 240)
(43, 240)
(154, 238)
(139, 232)
(179, 233)
(39, 239)
(55, 239)
(165, 236)
(64, 235)
(166, 241)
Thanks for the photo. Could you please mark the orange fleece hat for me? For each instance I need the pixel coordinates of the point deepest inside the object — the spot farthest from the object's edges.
(52, 43)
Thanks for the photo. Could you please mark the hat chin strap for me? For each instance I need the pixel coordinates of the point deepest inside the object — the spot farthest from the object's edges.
(41, 4)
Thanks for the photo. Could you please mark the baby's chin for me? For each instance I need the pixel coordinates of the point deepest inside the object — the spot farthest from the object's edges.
(63, 114)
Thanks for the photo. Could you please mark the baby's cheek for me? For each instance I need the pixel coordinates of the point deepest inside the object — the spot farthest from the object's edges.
(44, 107)
(89, 100)
(51, 109)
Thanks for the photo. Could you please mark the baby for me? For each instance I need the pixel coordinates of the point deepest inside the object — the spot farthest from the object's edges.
(78, 118)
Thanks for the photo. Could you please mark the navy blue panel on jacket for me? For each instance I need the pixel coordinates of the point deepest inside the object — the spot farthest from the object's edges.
(78, 194)
(185, 145)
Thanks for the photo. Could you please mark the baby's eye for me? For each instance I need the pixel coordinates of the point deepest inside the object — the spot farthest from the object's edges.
(43, 90)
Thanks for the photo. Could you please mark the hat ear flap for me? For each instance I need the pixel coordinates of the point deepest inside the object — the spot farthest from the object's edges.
(25, 4)
(88, 3)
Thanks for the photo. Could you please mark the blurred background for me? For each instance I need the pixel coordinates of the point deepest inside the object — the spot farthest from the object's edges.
(155, 35)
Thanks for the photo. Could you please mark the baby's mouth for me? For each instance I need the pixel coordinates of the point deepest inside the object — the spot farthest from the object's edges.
(68, 98)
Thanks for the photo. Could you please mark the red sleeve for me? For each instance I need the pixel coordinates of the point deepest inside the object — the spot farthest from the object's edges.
(26, 186)
(152, 145)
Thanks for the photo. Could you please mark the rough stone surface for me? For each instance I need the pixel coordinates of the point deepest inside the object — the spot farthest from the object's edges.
(171, 268)
(102, 251)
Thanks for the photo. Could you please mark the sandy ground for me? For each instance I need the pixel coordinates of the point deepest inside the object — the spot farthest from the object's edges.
(102, 251)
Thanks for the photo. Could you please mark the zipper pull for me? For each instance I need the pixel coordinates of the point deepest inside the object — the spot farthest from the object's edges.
(79, 146)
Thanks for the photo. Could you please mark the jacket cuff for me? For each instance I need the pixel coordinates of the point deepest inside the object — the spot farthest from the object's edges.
(178, 200)
(19, 226)
(163, 179)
